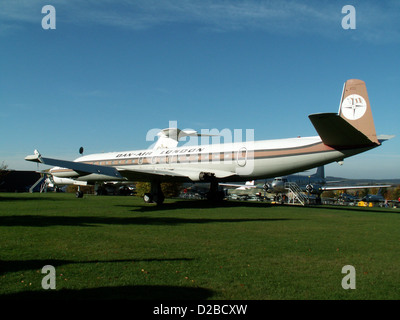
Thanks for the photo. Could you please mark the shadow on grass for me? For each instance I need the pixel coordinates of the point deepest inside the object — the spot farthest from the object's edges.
(20, 265)
(48, 221)
(195, 204)
(204, 204)
(153, 292)
(348, 209)
(22, 197)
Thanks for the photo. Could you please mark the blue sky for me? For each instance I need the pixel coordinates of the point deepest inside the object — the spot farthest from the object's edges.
(113, 70)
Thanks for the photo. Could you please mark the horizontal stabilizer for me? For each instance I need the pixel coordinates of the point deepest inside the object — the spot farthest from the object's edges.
(336, 132)
(169, 137)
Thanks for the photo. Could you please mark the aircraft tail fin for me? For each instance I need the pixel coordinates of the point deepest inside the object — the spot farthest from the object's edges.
(380, 191)
(320, 172)
(356, 109)
(353, 126)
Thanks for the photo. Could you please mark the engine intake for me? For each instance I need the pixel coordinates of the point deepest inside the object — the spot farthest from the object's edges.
(206, 176)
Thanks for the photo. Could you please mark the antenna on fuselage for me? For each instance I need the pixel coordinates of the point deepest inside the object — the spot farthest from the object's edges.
(81, 150)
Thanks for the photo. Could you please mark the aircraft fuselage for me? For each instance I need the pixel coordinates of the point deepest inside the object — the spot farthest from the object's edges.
(245, 160)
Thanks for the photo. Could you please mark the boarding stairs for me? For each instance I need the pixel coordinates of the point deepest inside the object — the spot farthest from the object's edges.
(295, 193)
(43, 187)
(41, 181)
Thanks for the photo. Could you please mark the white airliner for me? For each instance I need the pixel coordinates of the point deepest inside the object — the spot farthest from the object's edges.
(341, 135)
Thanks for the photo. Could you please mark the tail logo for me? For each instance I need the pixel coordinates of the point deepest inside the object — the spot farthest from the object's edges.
(354, 107)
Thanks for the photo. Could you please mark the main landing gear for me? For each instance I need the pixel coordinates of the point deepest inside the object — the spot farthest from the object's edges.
(214, 194)
(156, 195)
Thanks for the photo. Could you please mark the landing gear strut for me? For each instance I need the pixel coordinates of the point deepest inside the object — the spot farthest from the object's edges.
(214, 194)
(79, 193)
(156, 195)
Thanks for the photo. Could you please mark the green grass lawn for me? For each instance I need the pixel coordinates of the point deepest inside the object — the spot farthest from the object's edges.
(118, 247)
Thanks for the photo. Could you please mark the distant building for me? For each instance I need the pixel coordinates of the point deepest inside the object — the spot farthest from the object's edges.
(18, 181)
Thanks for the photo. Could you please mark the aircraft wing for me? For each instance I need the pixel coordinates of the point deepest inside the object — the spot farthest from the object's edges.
(76, 166)
(131, 174)
(355, 187)
(233, 185)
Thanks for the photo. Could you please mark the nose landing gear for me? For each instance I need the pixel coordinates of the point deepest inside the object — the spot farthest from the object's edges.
(79, 193)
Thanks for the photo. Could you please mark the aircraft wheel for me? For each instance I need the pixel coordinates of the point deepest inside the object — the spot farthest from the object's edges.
(79, 194)
(148, 198)
(159, 199)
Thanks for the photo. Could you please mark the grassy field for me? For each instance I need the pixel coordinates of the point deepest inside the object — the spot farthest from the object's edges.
(118, 247)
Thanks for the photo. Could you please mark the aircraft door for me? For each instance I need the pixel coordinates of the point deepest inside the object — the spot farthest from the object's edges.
(241, 158)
